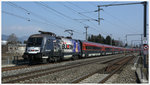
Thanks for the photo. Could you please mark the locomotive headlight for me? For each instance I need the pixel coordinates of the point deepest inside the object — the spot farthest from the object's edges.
(33, 50)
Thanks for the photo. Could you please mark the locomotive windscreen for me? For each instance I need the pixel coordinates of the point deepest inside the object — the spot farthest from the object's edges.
(35, 41)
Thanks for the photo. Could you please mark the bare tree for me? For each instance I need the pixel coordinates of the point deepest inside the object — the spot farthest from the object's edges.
(12, 39)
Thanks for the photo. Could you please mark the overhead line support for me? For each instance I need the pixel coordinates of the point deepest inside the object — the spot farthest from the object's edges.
(86, 27)
(145, 22)
(99, 14)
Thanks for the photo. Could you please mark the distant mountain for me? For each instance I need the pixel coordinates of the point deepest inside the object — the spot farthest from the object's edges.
(5, 37)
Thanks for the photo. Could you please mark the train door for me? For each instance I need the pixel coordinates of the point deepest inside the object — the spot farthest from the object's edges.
(48, 47)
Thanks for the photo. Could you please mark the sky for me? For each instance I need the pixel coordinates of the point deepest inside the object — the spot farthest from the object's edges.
(27, 18)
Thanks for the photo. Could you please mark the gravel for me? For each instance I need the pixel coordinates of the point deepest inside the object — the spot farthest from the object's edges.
(126, 76)
(94, 78)
(24, 70)
(112, 79)
(67, 75)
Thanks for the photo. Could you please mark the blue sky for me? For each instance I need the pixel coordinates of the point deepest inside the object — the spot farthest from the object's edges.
(58, 16)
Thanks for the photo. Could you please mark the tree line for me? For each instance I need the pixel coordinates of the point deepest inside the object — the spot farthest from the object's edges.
(108, 40)
(13, 39)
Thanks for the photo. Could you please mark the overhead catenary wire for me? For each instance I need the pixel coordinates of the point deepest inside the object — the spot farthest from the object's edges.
(45, 5)
(25, 18)
(76, 5)
(17, 6)
(88, 17)
(116, 18)
(81, 9)
(105, 19)
(48, 7)
(78, 12)
(82, 15)
(58, 13)
(31, 20)
(62, 14)
(36, 15)
(68, 16)
(120, 21)
(65, 15)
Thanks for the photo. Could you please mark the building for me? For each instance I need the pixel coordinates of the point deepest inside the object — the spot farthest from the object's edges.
(4, 42)
(16, 49)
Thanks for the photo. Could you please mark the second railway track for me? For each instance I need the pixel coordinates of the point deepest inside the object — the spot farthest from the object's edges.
(108, 71)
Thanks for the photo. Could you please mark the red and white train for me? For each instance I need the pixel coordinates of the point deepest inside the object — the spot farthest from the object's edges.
(96, 49)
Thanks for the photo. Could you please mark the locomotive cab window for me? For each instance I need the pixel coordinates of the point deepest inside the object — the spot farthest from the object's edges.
(35, 41)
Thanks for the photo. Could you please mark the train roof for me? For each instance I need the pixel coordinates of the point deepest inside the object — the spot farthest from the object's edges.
(44, 34)
(41, 35)
(93, 43)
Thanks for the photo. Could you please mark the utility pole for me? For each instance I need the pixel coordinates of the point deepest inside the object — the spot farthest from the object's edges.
(119, 41)
(111, 39)
(99, 14)
(86, 27)
(126, 40)
(141, 41)
(145, 37)
(133, 41)
(144, 26)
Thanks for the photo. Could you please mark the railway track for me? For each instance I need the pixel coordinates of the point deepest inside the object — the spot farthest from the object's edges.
(34, 74)
(20, 67)
(14, 68)
(23, 66)
(111, 69)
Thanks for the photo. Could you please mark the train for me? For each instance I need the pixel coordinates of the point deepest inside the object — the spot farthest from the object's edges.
(46, 47)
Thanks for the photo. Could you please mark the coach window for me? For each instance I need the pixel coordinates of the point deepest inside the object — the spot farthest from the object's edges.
(88, 47)
(107, 49)
(99, 48)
